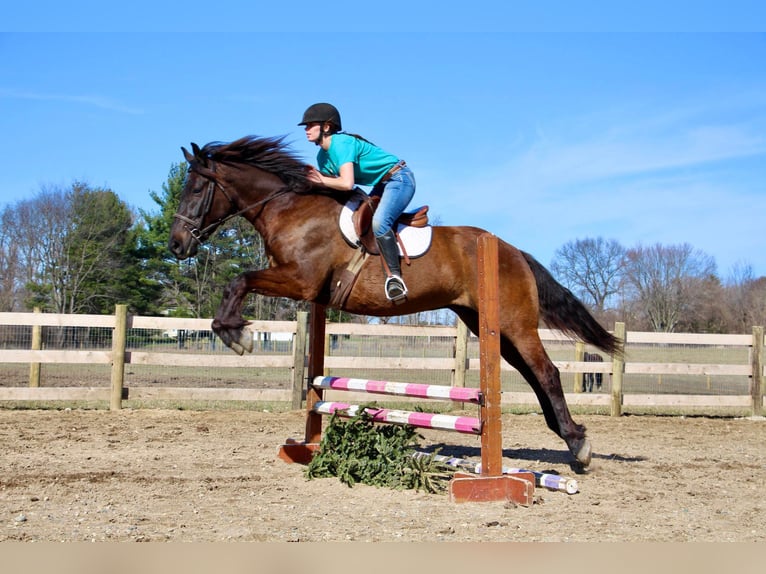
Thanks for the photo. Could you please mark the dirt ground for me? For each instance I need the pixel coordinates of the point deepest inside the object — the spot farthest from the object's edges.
(171, 475)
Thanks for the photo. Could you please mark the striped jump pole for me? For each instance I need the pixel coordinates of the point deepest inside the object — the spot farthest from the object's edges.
(443, 392)
(542, 479)
(468, 425)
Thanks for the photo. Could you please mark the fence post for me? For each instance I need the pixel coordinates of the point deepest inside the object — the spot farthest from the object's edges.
(317, 327)
(756, 382)
(461, 354)
(299, 359)
(119, 340)
(579, 354)
(618, 368)
(37, 345)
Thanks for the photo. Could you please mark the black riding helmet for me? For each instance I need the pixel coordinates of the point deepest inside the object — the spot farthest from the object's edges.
(322, 113)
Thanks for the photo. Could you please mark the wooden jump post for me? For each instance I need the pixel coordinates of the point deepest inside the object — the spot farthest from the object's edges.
(492, 483)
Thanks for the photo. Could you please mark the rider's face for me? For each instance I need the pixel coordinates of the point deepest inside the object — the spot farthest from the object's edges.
(313, 131)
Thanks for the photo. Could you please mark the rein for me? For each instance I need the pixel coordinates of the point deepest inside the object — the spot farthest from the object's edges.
(192, 224)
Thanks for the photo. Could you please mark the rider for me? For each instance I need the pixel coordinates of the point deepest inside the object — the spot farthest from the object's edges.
(348, 159)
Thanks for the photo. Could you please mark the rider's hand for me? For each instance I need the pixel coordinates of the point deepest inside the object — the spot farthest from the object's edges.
(314, 176)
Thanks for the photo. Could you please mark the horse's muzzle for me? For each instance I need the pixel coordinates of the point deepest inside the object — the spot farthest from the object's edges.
(182, 249)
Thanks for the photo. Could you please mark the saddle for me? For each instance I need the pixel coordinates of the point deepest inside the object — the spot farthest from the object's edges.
(362, 219)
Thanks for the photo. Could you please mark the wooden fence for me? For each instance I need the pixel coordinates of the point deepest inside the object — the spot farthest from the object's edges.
(641, 362)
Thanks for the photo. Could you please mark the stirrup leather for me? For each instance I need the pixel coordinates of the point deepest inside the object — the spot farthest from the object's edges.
(395, 288)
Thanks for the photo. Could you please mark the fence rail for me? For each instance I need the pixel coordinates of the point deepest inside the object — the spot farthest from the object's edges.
(665, 370)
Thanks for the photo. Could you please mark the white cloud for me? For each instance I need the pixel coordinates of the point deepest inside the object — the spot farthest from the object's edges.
(88, 100)
(665, 177)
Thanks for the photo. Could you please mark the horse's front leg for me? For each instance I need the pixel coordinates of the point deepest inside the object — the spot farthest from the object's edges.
(229, 324)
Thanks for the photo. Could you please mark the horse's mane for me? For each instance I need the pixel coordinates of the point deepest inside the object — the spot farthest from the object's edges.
(270, 154)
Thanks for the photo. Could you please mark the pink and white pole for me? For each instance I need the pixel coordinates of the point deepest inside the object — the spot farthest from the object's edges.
(443, 392)
(543, 479)
(468, 425)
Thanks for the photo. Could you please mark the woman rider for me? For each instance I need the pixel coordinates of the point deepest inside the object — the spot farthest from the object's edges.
(345, 160)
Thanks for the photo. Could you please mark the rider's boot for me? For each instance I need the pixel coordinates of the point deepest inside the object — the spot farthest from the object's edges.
(389, 250)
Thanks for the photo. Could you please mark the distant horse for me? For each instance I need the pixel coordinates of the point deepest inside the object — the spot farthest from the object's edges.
(589, 378)
(263, 181)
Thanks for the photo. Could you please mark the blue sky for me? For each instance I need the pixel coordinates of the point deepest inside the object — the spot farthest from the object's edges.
(541, 138)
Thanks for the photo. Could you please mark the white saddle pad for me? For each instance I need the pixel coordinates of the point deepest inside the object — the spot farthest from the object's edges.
(416, 240)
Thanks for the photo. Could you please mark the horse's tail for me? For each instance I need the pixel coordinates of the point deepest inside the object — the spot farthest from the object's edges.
(562, 310)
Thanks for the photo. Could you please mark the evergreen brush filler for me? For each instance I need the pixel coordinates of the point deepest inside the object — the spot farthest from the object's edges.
(358, 450)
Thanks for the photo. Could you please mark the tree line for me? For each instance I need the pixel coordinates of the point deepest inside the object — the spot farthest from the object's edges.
(664, 288)
(81, 249)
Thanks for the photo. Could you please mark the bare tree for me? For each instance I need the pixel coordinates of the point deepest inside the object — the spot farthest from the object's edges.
(745, 298)
(666, 282)
(757, 297)
(591, 268)
(41, 223)
(31, 230)
(705, 310)
(10, 284)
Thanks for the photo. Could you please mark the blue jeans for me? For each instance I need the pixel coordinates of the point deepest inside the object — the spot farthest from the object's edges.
(397, 194)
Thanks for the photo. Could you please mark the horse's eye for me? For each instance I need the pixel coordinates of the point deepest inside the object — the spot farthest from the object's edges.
(198, 187)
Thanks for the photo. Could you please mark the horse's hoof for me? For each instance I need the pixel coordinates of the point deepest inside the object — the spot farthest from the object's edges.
(246, 340)
(237, 348)
(583, 454)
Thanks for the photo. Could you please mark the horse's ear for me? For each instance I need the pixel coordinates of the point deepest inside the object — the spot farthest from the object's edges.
(199, 155)
(189, 157)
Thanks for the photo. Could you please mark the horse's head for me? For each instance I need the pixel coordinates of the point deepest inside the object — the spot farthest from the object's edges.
(229, 179)
(203, 206)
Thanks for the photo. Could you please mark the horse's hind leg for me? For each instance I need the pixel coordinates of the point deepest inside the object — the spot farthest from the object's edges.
(528, 356)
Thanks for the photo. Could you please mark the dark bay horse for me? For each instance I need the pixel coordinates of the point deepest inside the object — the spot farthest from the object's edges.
(262, 180)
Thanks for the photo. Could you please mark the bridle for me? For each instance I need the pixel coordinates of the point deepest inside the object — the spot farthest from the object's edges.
(192, 224)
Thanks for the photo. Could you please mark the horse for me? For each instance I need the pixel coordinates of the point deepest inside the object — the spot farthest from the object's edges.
(589, 378)
(264, 181)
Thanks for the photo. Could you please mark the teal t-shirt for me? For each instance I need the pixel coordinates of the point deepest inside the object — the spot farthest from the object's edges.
(370, 162)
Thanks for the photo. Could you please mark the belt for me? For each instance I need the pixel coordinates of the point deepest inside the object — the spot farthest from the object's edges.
(392, 171)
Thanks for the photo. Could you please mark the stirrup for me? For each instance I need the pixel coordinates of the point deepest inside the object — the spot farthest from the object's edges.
(395, 288)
